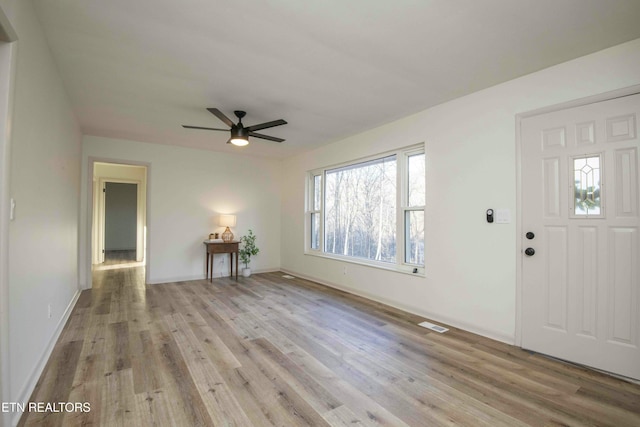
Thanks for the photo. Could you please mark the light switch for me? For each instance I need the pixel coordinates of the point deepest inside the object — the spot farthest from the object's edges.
(12, 209)
(503, 216)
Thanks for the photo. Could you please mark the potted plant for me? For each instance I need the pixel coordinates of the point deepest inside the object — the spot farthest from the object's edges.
(248, 250)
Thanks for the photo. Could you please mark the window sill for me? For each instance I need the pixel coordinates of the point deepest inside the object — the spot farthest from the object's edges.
(404, 269)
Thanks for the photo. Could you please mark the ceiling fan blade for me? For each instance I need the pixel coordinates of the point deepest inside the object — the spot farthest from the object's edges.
(198, 127)
(266, 125)
(261, 136)
(219, 114)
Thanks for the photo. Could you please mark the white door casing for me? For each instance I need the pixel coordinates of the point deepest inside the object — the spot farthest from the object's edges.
(581, 287)
(94, 200)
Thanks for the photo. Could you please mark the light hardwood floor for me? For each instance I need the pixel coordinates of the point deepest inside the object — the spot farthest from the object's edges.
(119, 257)
(269, 351)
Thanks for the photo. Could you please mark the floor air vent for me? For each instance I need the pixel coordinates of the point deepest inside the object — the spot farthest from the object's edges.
(433, 327)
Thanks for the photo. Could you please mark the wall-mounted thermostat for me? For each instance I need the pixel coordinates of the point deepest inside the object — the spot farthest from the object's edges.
(489, 216)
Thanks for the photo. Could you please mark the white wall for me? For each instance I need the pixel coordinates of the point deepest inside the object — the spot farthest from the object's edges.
(471, 166)
(9, 6)
(187, 190)
(7, 74)
(44, 181)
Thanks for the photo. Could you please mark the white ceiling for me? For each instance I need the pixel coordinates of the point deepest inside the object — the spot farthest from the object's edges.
(139, 69)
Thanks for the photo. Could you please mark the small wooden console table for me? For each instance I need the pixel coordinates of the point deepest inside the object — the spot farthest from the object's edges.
(221, 248)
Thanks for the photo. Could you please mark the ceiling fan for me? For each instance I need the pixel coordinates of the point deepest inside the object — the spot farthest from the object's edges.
(239, 133)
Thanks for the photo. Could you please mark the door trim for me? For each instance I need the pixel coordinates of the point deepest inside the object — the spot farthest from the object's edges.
(606, 96)
(87, 244)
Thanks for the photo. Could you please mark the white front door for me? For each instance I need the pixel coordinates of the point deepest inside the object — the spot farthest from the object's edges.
(580, 218)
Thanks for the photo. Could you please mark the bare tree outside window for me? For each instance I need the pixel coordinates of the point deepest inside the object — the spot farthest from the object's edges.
(360, 210)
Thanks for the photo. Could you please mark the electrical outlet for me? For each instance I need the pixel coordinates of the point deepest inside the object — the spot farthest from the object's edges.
(49, 311)
(345, 270)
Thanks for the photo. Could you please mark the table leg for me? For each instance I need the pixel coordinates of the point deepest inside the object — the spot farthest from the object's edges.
(207, 267)
(236, 266)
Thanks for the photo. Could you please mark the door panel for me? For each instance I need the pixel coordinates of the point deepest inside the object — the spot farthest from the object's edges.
(626, 182)
(623, 281)
(555, 281)
(581, 290)
(587, 280)
(552, 187)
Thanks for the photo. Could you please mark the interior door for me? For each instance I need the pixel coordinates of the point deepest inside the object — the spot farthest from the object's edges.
(581, 250)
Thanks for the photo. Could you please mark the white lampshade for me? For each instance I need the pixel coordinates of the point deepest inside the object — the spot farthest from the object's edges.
(227, 220)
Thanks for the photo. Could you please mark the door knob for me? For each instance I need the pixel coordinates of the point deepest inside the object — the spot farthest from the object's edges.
(529, 251)
(530, 235)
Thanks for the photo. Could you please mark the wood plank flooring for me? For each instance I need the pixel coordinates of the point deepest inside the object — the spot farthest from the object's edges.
(119, 256)
(270, 351)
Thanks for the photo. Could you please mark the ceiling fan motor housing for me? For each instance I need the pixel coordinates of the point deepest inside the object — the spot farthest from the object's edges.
(238, 131)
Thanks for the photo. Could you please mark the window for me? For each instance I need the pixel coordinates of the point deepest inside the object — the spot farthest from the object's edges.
(414, 210)
(360, 210)
(586, 186)
(370, 211)
(316, 185)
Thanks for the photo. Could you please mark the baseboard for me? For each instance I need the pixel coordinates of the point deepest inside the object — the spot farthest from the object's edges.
(30, 385)
(263, 270)
(494, 335)
(174, 279)
(202, 277)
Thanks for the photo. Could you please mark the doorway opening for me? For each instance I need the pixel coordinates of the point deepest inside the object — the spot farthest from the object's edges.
(119, 216)
(120, 222)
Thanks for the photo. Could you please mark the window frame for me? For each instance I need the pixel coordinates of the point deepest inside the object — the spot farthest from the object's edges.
(403, 203)
(311, 210)
(402, 207)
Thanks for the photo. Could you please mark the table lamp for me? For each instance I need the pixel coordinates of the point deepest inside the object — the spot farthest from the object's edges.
(227, 221)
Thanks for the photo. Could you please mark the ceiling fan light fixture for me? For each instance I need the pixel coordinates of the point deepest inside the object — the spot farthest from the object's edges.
(239, 135)
(239, 141)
